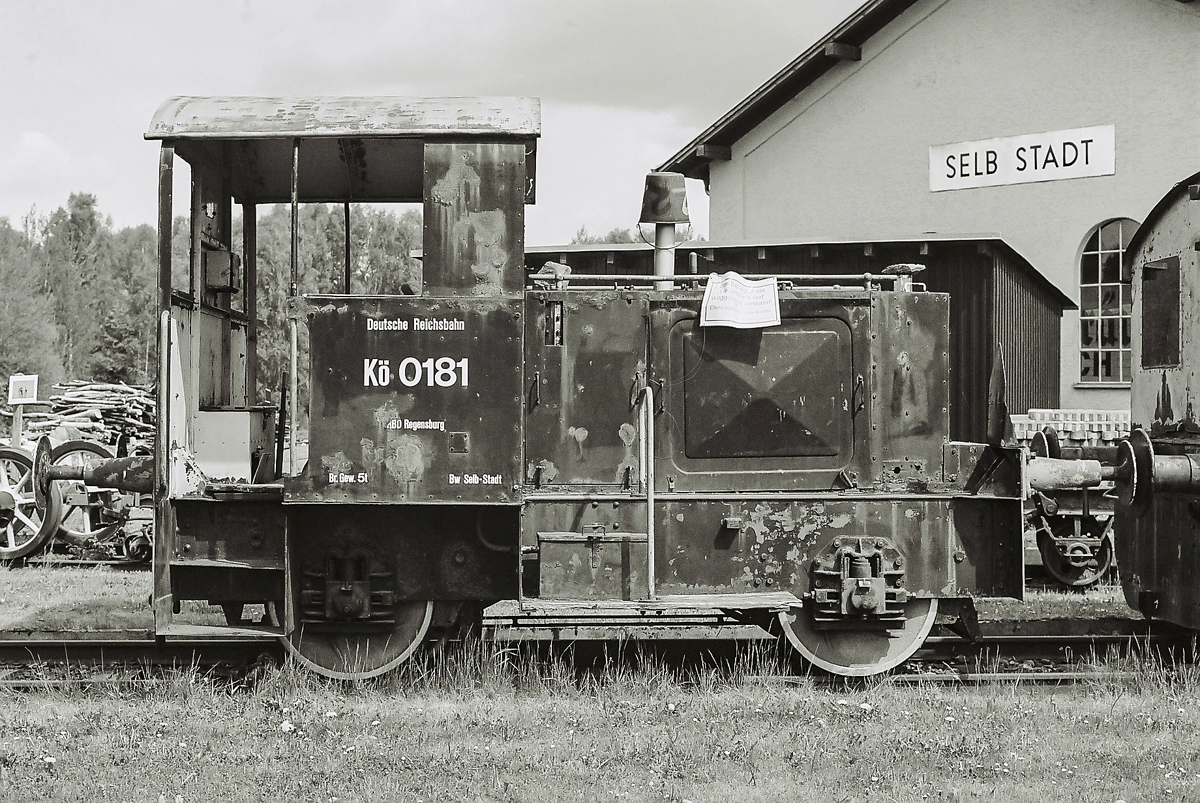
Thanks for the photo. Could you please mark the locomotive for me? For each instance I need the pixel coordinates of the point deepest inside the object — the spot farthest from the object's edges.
(569, 442)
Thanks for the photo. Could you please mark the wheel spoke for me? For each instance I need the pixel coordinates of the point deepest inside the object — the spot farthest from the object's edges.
(20, 516)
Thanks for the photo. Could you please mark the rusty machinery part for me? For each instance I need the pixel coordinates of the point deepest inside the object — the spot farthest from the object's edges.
(1076, 550)
(344, 654)
(134, 473)
(25, 525)
(857, 581)
(1136, 466)
(863, 652)
(1046, 444)
(90, 514)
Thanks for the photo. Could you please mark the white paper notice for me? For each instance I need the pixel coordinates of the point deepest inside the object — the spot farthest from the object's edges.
(732, 300)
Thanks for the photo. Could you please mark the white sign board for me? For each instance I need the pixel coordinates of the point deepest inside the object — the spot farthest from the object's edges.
(1049, 156)
(732, 300)
(22, 388)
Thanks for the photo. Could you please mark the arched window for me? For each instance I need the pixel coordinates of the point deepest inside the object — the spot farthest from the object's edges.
(1105, 304)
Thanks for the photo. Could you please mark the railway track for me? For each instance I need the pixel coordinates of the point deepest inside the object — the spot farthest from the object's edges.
(1039, 652)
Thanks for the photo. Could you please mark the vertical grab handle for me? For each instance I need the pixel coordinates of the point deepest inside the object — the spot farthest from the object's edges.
(646, 474)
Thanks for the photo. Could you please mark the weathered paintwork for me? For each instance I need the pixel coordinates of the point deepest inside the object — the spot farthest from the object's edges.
(413, 400)
(742, 542)
(474, 238)
(584, 350)
(248, 118)
(1158, 551)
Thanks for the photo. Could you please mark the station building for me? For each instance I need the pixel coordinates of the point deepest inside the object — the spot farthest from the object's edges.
(1052, 127)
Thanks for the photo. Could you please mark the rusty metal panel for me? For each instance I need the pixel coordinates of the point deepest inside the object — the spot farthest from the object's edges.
(764, 544)
(1163, 397)
(474, 218)
(780, 408)
(424, 552)
(413, 400)
(598, 567)
(249, 534)
(1159, 554)
(909, 383)
(989, 557)
(249, 117)
(584, 350)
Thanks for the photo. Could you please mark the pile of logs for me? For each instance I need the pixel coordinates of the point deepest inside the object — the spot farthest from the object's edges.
(93, 411)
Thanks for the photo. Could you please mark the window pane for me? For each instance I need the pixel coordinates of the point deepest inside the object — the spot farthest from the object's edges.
(1093, 243)
(1110, 237)
(1126, 300)
(1126, 358)
(1108, 366)
(1089, 269)
(1110, 270)
(1126, 338)
(1110, 298)
(1088, 333)
(1087, 366)
(1089, 301)
(1110, 333)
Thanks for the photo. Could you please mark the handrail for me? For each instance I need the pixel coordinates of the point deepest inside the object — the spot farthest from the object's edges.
(562, 282)
(646, 476)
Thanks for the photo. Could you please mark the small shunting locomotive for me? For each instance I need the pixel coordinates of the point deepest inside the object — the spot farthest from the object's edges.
(568, 442)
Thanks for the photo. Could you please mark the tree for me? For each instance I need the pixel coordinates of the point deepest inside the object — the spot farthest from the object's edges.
(28, 337)
(617, 235)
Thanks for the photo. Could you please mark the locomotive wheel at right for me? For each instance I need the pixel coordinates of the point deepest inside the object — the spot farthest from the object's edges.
(1082, 566)
(357, 656)
(24, 529)
(860, 653)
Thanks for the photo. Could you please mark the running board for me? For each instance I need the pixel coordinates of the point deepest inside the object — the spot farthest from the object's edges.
(677, 604)
(220, 632)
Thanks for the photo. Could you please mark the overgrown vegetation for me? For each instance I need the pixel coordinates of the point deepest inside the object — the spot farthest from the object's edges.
(489, 724)
(80, 297)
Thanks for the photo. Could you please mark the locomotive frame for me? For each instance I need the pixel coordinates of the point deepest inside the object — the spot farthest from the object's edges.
(570, 442)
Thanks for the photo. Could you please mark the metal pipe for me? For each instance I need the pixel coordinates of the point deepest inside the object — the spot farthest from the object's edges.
(816, 278)
(647, 450)
(1050, 474)
(292, 305)
(347, 229)
(664, 254)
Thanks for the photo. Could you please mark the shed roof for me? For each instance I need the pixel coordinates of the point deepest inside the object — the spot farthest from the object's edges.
(843, 42)
(280, 117)
(1047, 289)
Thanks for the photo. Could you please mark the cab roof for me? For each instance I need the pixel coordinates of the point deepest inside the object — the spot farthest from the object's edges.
(275, 117)
(352, 149)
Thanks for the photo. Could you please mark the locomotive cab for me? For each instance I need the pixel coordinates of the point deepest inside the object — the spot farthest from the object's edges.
(378, 534)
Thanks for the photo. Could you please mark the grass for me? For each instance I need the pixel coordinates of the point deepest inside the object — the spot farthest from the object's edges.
(1099, 601)
(98, 598)
(491, 725)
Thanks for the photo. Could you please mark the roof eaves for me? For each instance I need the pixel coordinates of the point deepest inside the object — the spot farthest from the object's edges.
(856, 29)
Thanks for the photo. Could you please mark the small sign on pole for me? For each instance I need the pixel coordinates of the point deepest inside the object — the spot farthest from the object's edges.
(22, 390)
(738, 302)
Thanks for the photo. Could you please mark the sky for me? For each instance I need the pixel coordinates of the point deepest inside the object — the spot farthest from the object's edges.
(624, 84)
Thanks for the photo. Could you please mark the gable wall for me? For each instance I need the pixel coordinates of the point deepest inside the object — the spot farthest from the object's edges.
(848, 158)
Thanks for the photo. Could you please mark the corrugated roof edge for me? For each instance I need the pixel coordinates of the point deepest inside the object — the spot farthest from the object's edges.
(856, 29)
(190, 117)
